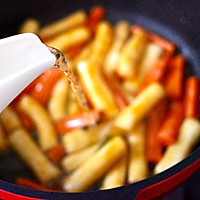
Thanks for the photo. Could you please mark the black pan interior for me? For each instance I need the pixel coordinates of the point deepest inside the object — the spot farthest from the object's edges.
(176, 20)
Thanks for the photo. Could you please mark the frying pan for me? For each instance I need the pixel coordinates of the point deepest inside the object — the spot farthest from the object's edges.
(176, 20)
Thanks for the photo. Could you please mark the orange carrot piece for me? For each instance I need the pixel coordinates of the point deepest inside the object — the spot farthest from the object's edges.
(95, 15)
(72, 52)
(168, 132)
(191, 100)
(175, 77)
(30, 184)
(165, 44)
(26, 121)
(57, 153)
(25, 91)
(120, 99)
(157, 72)
(154, 148)
(79, 121)
(45, 83)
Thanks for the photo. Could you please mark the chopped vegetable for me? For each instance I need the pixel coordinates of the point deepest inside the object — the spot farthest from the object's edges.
(157, 71)
(79, 121)
(167, 45)
(45, 83)
(174, 77)
(170, 127)
(57, 153)
(188, 137)
(154, 147)
(96, 14)
(191, 102)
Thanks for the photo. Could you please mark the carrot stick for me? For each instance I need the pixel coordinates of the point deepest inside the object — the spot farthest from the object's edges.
(165, 44)
(157, 72)
(120, 99)
(95, 15)
(25, 91)
(155, 119)
(57, 153)
(42, 89)
(191, 100)
(30, 184)
(175, 77)
(72, 52)
(168, 132)
(26, 121)
(79, 121)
